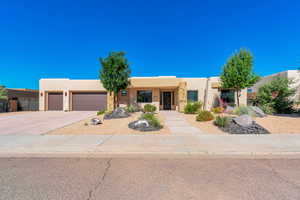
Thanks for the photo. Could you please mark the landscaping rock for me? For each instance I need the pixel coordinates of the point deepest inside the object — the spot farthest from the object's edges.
(243, 120)
(244, 126)
(117, 113)
(258, 112)
(95, 121)
(142, 125)
(229, 109)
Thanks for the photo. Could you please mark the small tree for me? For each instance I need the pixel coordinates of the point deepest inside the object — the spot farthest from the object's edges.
(276, 96)
(115, 73)
(3, 92)
(237, 73)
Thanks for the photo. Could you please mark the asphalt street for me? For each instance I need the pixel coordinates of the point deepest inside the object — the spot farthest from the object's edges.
(149, 179)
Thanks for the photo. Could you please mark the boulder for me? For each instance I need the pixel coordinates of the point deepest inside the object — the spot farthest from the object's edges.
(117, 113)
(244, 125)
(243, 120)
(95, 121)
(142, 125)
(229, 109)
(258, 112)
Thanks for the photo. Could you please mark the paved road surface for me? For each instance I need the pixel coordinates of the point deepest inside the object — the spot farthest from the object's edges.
(149, 178)
(39, 122)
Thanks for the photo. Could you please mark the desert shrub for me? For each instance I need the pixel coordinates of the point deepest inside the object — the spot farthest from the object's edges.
(152, 119)
(132, 108)
(276, 95)
(149, 108)
(268, 109)
(217, 110)
(192, 107)
(222, 121)
(243, 110)
(101, 112)
(204, 116)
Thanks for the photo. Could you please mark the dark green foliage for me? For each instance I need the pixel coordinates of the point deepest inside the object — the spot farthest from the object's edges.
(149, 108)
(237, 72)
(192, 107)
(3, 92)
(222, 121)
(204, 115)
(115, 73)
(275, 96)
(101, 112)
(152, 119)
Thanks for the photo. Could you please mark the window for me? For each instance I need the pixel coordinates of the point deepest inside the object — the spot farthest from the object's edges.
(192, 95)
(144, 96)
(123, 92)
(228, 96)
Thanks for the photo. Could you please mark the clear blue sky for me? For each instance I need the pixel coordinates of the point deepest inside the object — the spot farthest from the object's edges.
(63, 39)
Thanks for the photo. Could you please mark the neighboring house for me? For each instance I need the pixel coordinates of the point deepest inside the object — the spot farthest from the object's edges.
(165, 92)
(293, 75)
(20, 100)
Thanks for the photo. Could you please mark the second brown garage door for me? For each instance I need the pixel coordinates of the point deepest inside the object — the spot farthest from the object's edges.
(91, 101)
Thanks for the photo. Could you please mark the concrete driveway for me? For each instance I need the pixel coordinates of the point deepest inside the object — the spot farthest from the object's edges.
(39, 122)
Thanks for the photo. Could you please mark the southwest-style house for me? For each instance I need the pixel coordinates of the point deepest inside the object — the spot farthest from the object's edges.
(165, 92)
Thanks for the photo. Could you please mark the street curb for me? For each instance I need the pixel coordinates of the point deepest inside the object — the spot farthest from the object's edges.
(45, 154)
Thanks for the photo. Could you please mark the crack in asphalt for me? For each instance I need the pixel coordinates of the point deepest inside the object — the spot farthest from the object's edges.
(91, 192)
(277, 174)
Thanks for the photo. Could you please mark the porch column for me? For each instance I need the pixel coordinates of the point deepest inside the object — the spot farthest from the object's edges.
(182, 99)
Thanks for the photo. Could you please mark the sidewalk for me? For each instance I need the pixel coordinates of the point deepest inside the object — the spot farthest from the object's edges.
(189, 144)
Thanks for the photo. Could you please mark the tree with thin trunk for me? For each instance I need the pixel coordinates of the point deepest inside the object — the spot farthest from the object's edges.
(3, 92)
(238, 73)
(115, 74)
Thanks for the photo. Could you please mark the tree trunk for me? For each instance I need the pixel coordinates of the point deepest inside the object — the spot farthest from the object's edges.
(238, 98)
(116, 100)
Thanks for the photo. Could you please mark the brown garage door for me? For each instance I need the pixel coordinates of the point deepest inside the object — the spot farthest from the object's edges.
(55, 101)
(91, 101)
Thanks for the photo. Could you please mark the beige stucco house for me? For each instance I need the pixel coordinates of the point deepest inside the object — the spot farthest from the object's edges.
(165, 92)
(293, 75)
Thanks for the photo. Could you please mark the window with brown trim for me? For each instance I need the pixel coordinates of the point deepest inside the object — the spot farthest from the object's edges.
(144, 96)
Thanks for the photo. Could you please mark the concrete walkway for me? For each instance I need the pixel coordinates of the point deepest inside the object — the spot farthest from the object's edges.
(178, 124)
(36, 123)
(94, 145)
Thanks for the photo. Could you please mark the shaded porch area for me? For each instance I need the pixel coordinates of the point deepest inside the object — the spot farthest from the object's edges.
(162, 98)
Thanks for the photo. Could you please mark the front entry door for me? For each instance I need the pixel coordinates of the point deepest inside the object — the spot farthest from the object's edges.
(167, 100)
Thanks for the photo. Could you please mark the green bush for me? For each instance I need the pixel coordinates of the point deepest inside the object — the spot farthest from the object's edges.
(276, 96)
(243, 110)
(192, 107)
(204, 116)
(152, 119)
(132, 108)
(267, 108)
(149, 108)
(222, 121)
(101, 112)
(217, 110)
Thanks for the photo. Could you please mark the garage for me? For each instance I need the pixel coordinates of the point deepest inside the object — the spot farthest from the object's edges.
(89, 101)
(55, 101)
